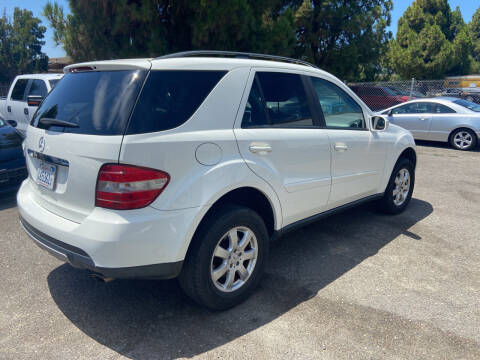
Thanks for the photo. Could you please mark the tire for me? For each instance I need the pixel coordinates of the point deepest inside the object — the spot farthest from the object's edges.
(463, 139)
(216, 231)
(394, 202)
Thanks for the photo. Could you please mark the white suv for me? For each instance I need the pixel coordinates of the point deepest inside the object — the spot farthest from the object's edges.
(189, 164)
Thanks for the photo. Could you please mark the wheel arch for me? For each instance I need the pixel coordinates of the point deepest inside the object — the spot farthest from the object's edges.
(462, 127)
(252, 198)
(410, 154)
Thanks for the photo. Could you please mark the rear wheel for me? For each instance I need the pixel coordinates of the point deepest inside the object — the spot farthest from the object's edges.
(399, 189)
(463, 139)
(227, 258)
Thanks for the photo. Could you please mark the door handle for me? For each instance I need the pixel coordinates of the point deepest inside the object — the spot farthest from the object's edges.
(423, 119)
(341, 147)
(25, 111)
(261, 149)
(9, 108)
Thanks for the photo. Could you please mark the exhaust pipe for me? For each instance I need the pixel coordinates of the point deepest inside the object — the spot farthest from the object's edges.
(102, 278)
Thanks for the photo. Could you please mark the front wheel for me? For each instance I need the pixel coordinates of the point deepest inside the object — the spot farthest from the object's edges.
(463, 139)
(399, 189)
(227, 258)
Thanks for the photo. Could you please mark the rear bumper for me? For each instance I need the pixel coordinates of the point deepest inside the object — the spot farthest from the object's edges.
(81, 260)
(142, 243)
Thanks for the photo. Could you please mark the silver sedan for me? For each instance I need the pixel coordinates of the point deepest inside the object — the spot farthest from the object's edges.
(447, 119)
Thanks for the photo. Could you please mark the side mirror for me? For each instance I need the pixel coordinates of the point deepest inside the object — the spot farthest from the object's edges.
(379, 123)
(12, 123)
(34, 100)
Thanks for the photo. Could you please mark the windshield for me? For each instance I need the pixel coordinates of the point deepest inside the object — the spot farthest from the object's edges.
(99, 102)
(468, 104)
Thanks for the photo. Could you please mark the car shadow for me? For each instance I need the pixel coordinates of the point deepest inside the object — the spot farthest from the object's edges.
(442, 145)
(8, 200)
(143, 319)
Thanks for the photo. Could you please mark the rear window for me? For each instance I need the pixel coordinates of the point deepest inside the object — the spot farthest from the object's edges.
(169, 99)
(99, 102)
(468, 104)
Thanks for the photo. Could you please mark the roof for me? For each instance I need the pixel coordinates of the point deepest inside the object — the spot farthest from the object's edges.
(194, 63)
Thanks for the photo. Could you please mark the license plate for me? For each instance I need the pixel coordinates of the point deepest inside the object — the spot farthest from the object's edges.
(46, 175)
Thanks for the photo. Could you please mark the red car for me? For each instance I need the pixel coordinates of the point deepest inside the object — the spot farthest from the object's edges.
(379, 97)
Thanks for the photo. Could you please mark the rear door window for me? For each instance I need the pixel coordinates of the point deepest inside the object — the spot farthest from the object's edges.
(18, 92)
(98, 102)
(169, 99)
(38, 87)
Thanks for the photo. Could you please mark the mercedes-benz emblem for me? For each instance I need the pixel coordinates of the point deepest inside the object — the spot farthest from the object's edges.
(41, 144)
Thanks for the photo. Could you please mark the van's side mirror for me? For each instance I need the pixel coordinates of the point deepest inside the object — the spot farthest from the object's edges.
(379, 123)
(12, 123)
(34, 100)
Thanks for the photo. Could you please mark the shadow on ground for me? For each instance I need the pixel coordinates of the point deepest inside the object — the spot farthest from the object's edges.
(8, 200)
(442, 145)
(145, 319)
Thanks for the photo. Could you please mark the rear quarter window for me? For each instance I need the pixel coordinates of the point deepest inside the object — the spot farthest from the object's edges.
(169, 98)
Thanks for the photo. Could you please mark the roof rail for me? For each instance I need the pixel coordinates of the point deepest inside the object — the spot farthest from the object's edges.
(236, 54)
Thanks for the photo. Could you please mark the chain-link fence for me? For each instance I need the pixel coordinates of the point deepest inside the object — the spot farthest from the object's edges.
(382, 95)
(4, 89)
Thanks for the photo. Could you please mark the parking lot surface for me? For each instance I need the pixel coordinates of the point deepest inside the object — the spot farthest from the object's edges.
(358, 285)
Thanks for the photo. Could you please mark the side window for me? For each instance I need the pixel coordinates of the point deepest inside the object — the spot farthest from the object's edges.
(38, 87)
(442, 109)
(255, 112)
(18, 91)
(339, 109)
(414, 108)
(285, 99)
(170, 97)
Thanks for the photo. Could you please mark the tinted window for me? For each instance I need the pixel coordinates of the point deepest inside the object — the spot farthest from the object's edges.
(99, 102)
(442, 109)
(414, 108)
(19, 90)
(285, 99)
(255, 112)
(38, 87)
(169, 98)
(468, 104)
(339, 109)
(53, 83)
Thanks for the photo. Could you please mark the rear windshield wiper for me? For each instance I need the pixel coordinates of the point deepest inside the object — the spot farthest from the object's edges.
(56, 122)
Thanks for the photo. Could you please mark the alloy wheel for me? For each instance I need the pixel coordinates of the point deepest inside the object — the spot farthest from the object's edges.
(402, 187)
(234, 259)
(463, 140)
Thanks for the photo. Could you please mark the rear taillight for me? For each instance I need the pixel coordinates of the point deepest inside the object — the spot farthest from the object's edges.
(126, 187)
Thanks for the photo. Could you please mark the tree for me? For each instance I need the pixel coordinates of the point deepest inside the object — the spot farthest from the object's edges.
(111, 29)
(346, 38)
(21, 45)
(432, 41)
(474, 31)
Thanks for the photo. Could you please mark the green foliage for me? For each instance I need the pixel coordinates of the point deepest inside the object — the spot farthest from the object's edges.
(344, 37)
(474, 31)
(322, 31)
(432, 41)
(20, 45)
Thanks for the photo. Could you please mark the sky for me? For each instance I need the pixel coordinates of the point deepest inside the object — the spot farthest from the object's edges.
(467, 7)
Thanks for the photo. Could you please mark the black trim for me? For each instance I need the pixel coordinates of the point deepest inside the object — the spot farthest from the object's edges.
(81, 260)
(236, 54)
(314, 218)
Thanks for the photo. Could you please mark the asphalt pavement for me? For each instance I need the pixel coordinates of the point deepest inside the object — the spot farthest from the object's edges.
(358, 285)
